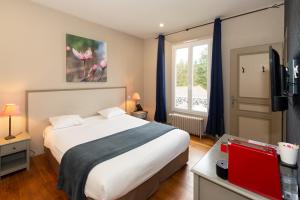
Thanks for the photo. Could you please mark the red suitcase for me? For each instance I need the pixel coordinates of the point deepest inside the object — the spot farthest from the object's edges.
(255, 168)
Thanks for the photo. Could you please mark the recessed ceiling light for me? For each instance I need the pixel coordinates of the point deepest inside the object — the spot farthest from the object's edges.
(161, 25)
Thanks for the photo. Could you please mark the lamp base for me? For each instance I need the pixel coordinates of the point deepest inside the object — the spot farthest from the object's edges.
(138, 107)
(10, 137)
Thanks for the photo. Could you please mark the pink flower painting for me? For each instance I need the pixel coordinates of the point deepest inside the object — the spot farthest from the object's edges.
(85, 59)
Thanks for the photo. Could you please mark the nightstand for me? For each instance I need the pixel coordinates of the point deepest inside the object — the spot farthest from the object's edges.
(140, 114)
(14, 154)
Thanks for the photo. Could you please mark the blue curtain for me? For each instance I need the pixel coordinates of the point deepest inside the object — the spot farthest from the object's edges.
(160, 111)
(215, 121)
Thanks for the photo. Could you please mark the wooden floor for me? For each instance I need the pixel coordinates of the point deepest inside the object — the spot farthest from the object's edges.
(39, 183)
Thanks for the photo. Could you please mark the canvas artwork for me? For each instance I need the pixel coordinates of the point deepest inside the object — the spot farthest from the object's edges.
(86, 59)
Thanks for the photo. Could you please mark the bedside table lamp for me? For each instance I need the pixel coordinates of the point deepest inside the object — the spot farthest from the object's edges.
(10, 110)
(136, 97)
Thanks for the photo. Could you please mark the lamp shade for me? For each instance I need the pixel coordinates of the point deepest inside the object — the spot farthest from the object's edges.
(136, 96)
(10, 110)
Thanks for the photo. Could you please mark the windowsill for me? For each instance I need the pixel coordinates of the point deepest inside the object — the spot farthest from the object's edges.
(195, 113)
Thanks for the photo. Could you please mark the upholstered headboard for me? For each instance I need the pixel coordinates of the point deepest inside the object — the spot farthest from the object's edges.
(42, 104)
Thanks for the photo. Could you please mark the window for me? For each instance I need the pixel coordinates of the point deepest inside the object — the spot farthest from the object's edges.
(191, 73)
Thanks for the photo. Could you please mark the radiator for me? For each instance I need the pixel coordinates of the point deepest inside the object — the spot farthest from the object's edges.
(191, 124)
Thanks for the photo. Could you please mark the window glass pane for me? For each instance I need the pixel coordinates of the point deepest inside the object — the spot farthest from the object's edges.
(200, 68)
(181, 85)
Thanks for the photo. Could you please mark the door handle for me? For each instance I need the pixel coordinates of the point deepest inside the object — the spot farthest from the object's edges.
(233, 100)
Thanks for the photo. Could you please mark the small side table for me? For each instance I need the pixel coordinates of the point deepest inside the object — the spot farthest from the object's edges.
(140, 114)
(14, 154)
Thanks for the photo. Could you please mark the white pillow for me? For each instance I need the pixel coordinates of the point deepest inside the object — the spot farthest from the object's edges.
(111, 112)
(65, 121)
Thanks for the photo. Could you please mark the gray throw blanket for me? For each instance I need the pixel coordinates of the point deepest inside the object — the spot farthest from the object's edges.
(78, 161)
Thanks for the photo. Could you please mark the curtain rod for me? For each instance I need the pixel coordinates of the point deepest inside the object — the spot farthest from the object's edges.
(226, 18)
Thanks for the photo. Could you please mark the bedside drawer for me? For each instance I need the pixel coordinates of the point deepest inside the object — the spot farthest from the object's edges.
(13, 148)
(140, 114)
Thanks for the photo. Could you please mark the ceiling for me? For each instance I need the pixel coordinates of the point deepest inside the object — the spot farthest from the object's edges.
(141, 18)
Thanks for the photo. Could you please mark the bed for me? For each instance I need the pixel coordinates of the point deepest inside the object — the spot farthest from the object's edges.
(116, 177)
(135, 174)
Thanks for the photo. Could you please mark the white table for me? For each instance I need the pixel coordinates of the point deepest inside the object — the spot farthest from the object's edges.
(208, 186)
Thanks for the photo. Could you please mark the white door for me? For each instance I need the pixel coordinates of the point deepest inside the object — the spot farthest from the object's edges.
(251, 114)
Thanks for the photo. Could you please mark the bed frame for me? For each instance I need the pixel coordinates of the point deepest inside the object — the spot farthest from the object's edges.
(42, 103)
(146, 189)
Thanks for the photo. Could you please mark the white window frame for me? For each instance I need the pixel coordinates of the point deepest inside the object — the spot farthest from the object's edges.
(190, 45)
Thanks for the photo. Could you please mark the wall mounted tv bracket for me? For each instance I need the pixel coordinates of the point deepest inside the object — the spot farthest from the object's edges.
(293, 77)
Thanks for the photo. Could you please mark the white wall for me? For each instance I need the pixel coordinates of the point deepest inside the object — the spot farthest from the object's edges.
(32, 54)
(254, 29)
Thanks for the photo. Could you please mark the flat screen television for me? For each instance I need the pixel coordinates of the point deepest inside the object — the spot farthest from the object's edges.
(278, 82)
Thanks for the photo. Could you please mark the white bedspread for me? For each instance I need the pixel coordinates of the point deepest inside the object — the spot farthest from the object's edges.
(117, 176)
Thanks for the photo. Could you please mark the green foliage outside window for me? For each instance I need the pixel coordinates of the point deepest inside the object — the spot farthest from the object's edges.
(182, 74)
(199, 72)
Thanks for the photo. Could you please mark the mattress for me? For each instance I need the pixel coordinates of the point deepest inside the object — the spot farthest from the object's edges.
(116, 177)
